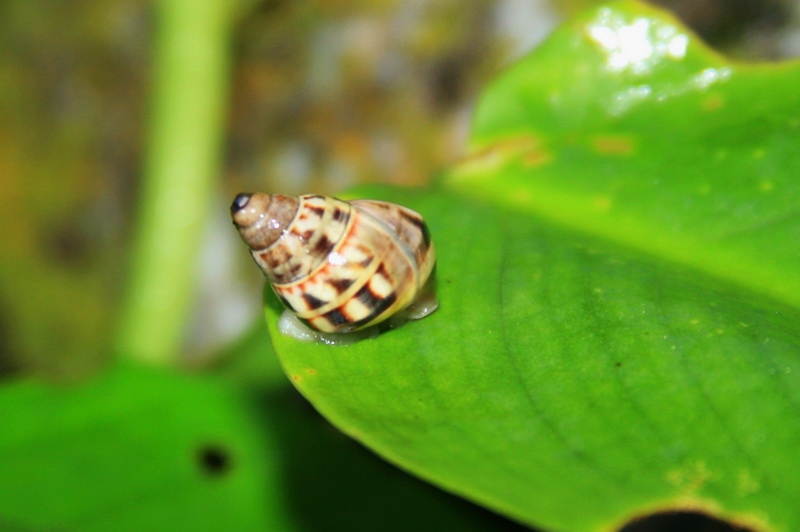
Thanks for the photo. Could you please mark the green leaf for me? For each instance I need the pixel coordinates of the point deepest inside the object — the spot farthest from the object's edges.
(134, 450)
(617, 332)
(624, 126)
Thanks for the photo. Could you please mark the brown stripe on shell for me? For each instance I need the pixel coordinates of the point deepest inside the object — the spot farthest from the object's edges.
(382, 280)
(423, 229)
(339, 319)
(280, 262)
(377, 311)
(335, 318)
(340, 285)
(414, 219)
(305, 235)
(323, 246)
(423, 238)
(373, 300)
(426, 235)
(369, 299)
(312, 302)
(333, 284)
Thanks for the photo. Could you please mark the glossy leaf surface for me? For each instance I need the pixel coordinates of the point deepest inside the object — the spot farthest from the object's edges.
(618, 325)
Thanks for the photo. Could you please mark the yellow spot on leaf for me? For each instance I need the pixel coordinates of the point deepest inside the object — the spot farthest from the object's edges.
(713, 102)
(521, 197)
(602, 203)
(766, 186)
(613, 145)
(537, 157)
(746, 483)
(498, 154)
(691, 478)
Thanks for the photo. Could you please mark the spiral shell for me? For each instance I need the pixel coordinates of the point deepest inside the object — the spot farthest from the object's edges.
(338, 266)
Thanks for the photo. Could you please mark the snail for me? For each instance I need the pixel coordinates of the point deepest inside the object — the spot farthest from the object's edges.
(339, 266)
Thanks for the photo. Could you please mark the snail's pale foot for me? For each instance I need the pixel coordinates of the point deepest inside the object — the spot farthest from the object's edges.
(424, 305)
(290, 325)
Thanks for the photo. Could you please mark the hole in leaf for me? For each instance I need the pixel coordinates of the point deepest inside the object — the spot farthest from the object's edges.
(214, 460)
(683, 521)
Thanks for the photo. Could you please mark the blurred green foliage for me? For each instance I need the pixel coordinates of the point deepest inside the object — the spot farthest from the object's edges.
(322, 95)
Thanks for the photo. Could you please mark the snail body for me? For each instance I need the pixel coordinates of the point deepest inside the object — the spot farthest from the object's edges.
(338, 266)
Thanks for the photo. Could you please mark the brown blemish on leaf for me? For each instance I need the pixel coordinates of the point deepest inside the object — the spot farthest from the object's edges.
(501, 151)
(537, 157)
(521, 143)
(311, 371)
(613, 145)
(713, 102)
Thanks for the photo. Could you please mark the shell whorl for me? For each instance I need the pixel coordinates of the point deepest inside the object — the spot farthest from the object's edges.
(290, 237)
(262, 218)
(339, 266)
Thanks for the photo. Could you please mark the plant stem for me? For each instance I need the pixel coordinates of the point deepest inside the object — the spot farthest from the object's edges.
(182, 163)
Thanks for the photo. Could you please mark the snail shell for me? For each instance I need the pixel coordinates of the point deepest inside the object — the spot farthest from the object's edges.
(338, 266)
